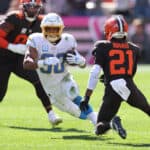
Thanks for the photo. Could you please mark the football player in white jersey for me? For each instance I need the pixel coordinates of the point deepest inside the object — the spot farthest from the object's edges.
(49, 53)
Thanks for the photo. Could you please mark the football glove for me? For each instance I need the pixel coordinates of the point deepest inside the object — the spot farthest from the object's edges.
(48, 61)
(75, 59)
(51, 61)
(17, 48)
(84, 104)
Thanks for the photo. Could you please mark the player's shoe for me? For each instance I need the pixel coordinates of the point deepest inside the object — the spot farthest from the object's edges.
(54, 119)
(116, 125)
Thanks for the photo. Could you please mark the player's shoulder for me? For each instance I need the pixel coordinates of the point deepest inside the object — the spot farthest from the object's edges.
(16, 14)
(133, 45)
(102, 43)
(100, 47)
(67, 37)
(35, 35)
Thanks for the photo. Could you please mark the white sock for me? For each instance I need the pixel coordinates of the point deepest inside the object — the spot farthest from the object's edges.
(93, 117)
(51, 115)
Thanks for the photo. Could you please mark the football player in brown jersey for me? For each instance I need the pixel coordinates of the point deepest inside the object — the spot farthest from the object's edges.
(118, 58)
(14, 30)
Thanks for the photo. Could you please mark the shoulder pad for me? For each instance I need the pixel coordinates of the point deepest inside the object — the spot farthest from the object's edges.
(133, 44)
(68, 36)
(15, 13)
(36, 35)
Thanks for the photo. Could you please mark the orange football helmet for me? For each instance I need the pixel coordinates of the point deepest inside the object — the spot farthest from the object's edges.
(116, 27)
(31, 8)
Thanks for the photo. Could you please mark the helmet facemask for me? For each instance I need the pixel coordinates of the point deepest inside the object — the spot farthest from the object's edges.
(31, 10)
(52, 33)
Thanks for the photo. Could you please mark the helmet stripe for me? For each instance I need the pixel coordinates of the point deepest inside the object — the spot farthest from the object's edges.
(120, 23)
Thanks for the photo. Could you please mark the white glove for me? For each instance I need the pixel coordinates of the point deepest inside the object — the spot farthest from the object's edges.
(48, 61)
(17, 48)
(75, 59)
(51, 61)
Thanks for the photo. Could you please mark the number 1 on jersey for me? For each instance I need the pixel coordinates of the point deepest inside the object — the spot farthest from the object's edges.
(123, 64)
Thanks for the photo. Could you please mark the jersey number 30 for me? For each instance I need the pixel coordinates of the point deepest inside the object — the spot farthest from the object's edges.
(58, 68)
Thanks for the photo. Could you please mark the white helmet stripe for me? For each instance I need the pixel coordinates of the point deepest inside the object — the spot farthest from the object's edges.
(120, 23)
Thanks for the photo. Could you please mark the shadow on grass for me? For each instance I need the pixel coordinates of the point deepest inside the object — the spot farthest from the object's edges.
(144, 145)
(86, 137)
(49, 129)
(66, 137)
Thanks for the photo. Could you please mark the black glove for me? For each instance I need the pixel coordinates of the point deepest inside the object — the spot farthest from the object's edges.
(84, 104)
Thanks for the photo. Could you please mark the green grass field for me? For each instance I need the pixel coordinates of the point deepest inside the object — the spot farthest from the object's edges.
(24, 124)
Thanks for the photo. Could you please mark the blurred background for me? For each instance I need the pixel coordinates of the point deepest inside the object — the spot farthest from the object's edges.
(85, 20)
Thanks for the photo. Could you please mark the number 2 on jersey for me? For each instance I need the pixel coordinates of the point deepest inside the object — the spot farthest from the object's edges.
(123, 64)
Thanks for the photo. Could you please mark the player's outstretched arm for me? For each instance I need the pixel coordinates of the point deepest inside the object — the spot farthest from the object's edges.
(30, 59)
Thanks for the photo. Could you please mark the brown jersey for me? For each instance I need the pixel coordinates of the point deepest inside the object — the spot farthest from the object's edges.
(20, 28)
(118, 58)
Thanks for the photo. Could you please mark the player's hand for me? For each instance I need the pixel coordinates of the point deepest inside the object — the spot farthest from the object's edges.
(51, 61)
(75, 59)
(17, 48)
(84, 104)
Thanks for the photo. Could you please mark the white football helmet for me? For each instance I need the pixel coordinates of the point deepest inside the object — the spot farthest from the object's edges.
(52, 27)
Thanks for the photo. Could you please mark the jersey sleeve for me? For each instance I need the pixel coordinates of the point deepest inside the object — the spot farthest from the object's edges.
(98, 53)
(12, 19)
(31, 41)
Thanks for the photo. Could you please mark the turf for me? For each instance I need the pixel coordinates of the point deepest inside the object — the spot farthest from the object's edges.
(24, 124)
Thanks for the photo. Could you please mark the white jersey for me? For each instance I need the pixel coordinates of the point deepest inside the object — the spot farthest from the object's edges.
(51, 75)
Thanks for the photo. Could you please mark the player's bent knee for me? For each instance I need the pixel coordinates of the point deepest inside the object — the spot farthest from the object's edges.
(74, 110)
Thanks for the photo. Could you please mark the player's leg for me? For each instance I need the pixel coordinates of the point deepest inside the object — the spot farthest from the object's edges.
(33, 78)
(89, 113)
(106, 116)
(4, 78)
(71, 92)
(68, 106)
(138, 100)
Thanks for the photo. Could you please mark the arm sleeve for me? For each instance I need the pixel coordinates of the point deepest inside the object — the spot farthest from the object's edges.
(94, 76)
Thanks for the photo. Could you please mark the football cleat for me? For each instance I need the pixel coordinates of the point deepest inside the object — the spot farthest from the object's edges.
(55, 122)
(116, 125)
(54, 119)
